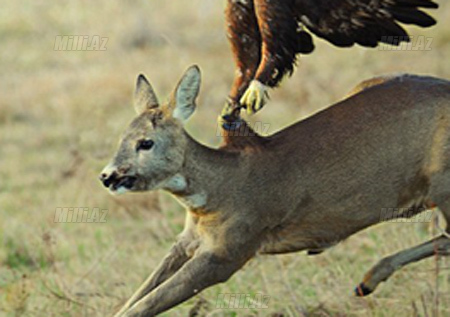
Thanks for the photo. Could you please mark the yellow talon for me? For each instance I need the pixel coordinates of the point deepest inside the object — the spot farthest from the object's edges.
(254, 97)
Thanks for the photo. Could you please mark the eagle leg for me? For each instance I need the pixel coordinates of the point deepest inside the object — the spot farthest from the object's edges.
(278, 27)
(245, 40)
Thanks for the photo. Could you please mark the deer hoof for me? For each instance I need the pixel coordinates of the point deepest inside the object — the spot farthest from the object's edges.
(362, 290)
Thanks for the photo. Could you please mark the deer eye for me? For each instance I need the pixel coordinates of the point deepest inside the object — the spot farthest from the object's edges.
(144, 145)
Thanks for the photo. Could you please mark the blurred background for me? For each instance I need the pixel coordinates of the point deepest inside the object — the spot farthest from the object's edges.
(61, 116)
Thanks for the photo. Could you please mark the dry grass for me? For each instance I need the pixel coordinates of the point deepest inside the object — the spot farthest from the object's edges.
(62, 112)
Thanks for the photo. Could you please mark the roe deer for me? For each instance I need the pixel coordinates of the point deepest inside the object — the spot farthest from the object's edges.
(306, 187)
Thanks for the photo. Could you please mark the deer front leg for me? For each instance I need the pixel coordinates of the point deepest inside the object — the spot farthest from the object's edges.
(203, 270)
(169, 265)
(387, 266)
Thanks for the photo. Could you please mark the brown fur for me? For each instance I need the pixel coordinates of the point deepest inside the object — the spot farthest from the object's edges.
(306, 187)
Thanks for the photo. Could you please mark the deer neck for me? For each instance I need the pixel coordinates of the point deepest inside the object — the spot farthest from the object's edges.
(203, 174)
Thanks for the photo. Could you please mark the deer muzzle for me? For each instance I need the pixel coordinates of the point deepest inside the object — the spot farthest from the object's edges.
(115, 181)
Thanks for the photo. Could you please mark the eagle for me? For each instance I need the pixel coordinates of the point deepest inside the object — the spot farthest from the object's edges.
(267, 35)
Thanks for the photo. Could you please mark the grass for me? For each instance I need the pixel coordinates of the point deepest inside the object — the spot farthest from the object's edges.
(62, 112)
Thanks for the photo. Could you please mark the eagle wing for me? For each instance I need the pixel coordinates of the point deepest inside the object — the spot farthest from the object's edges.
(365, 22)
(267, 35)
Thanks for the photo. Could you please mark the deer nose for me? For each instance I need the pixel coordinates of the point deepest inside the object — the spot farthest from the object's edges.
(107, 178)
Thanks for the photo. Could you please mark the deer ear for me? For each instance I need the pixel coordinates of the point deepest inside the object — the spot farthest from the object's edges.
(144, 96)
(185, 94)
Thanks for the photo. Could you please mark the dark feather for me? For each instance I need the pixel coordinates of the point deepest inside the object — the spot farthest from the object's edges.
(365, 22)
(396, 34)
(411, 16)
(305, 43)
(417, 3)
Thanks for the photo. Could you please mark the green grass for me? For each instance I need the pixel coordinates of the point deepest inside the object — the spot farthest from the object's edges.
(61, 115)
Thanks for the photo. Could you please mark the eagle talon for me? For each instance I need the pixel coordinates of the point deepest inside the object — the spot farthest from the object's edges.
(254, 97)
(230, 117)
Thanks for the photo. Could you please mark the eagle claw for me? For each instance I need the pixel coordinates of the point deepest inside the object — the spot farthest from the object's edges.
(255, 97)
(230, 119)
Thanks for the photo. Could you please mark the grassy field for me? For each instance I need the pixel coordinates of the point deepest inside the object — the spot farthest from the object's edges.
(61, 115)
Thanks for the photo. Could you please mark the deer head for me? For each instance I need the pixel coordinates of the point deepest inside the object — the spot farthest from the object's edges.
(152, 148)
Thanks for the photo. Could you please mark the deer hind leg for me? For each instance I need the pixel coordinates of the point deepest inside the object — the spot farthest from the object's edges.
(387, 266)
